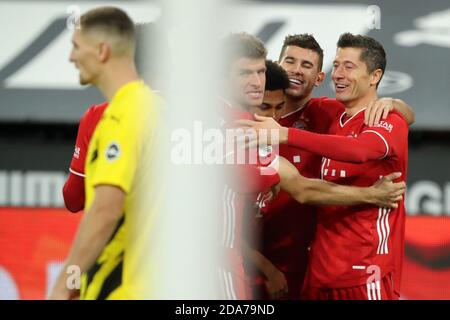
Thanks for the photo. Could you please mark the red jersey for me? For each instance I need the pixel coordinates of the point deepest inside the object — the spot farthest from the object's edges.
(88, 123)
(246, 186)
(351, 241)
(317, 116)
(73, 190)
(287, 227)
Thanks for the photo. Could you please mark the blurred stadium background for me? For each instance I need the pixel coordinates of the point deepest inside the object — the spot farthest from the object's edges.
(41, 103)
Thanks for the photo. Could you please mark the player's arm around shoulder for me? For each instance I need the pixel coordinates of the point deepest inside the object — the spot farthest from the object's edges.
(405, 110)
(300, 188)
(393, 131)
(383, 193)
(380, 109)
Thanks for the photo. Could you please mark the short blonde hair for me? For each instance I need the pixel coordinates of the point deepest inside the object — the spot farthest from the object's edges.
(114, 22)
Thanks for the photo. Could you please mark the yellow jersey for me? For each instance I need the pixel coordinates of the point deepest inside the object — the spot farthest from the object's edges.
(121, 153)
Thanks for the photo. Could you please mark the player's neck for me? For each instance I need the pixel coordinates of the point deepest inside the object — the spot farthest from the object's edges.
(354, 106)
(232, 102)
(237, 105)
(115, 78)
(241, 107)
(293, 104)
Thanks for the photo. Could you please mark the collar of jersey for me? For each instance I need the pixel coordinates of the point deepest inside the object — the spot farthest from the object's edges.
(348, 120)
(123, 88)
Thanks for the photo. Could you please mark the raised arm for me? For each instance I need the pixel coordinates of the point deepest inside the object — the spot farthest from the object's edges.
(367, 146)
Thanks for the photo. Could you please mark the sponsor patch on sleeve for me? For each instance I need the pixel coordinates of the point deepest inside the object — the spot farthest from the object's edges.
(112, 151)
(76, 152)
(385, 125)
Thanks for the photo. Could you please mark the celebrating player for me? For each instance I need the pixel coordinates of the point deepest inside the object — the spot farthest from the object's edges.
(357, 252)
(246, 81)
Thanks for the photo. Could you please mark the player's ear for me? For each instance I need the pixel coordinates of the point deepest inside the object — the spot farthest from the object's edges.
(320, 78)
(375, 77)
(104, 51)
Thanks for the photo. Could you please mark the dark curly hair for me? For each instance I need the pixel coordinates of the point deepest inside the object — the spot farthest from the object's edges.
(276, 77)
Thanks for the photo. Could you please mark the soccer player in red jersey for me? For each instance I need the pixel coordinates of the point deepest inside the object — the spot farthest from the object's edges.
(73, 190)
(357, 251)
(245, 185)
(283, 235)
(302, 57)
(281, 256)
(248, 184)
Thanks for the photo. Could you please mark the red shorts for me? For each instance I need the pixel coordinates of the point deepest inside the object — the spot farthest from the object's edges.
(378, 290)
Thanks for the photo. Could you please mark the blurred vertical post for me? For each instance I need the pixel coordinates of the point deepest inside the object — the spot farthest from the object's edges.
(186, 231)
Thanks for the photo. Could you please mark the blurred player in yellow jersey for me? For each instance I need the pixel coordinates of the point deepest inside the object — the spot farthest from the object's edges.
(107, 250)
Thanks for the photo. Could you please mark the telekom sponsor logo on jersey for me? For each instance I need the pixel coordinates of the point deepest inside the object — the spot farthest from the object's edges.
(226, 146)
